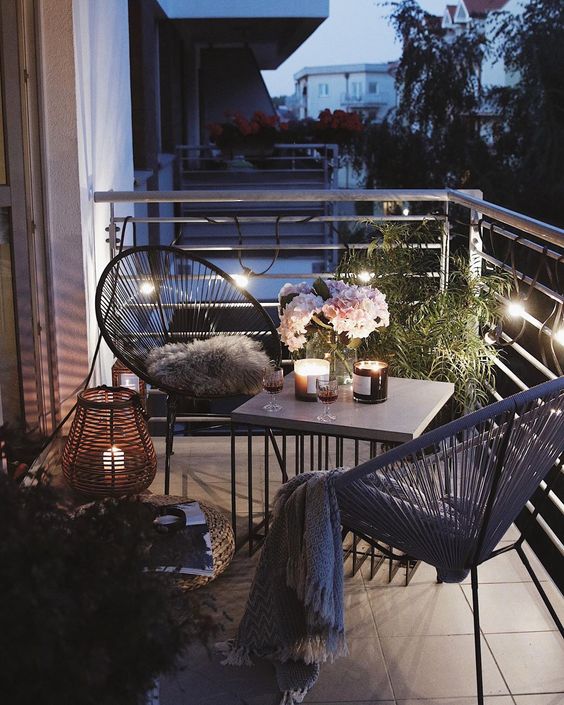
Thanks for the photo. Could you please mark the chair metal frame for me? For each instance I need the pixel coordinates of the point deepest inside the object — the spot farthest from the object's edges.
(118, 281)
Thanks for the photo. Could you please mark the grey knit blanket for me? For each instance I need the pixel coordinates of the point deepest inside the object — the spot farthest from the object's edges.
(295, 610)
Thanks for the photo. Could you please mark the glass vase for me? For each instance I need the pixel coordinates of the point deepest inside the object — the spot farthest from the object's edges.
(341, 358)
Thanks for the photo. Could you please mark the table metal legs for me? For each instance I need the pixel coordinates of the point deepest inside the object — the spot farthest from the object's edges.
(311, 452)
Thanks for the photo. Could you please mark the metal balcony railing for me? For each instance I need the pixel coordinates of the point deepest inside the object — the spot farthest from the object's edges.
(308, 165)
(367, 100)
(291, 235)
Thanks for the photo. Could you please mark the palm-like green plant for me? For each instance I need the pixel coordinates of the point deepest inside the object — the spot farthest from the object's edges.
(434, 333)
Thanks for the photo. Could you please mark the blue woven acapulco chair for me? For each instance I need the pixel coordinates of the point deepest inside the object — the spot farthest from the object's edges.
(448, 497)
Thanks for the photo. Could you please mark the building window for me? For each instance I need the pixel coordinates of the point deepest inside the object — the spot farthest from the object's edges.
(373, 87)
(356, 89)
(323, 90)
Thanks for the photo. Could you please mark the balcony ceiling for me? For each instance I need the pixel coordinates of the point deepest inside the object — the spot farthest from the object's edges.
(272, 39)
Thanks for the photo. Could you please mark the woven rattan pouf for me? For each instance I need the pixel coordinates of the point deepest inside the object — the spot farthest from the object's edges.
(221, 533)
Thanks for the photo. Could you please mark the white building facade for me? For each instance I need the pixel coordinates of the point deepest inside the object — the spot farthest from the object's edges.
(460, 16)
(365, 88)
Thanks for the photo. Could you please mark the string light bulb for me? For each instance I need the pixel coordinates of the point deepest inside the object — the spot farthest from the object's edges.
(147, 288)
(365, 276)
(405, 211)
(559, 336)
(242, 279)
(515, 309)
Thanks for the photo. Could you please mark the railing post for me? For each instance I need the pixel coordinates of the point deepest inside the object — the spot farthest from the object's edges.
(112, 231)
(445, 251)
(475, 243)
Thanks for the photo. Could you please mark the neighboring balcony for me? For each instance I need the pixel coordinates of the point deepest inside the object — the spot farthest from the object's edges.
(352, 101)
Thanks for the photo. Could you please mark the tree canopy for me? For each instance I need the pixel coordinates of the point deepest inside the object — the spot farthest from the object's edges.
(447, 130)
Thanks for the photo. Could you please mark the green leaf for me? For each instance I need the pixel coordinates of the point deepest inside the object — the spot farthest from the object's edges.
(355, 343)
(321, 289)
(285, 300)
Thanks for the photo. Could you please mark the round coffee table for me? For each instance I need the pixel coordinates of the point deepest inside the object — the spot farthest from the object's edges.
(221, 534)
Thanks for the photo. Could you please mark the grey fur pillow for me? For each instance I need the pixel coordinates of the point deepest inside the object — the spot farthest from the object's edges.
(218, 366)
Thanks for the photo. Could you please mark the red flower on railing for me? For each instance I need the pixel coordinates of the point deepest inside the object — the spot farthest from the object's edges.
(338, 126)
(238, 129)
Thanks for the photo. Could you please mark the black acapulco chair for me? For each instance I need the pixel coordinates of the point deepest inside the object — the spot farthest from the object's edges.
(149, 296)
(448, 497)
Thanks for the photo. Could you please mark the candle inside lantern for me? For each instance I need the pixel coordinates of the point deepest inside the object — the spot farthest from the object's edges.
(113, 462)
(306, 373)
(370, 381)
(129, 381)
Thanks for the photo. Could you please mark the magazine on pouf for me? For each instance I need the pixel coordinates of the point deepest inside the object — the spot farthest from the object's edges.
(186, 550)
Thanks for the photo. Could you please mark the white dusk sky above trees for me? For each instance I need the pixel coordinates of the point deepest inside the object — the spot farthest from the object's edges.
(356, 32)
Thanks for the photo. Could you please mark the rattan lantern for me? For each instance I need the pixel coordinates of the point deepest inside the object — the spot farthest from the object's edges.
(109, 451)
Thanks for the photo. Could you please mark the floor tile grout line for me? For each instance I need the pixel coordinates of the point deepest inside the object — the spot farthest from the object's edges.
(483, 636)
(384, 660)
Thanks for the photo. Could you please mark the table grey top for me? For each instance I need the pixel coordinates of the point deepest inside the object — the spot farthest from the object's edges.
(411, 406)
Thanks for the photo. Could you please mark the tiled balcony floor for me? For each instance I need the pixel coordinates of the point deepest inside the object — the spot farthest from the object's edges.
(408, 645)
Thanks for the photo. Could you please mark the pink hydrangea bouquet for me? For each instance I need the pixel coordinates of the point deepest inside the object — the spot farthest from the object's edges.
(341, 313)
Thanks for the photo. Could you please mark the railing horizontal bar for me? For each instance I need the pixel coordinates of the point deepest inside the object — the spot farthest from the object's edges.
(530, 358)
(205, 172)
(548, 531)
(523, 277)
(282, 196)
(278, 145)
(290, 248)
(326, 275)
(522, 241)
(285, 219)
(512, 376)
(530, 225)
(495, 394)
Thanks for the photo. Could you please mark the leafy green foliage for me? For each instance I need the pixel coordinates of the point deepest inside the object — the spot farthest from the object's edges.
(433, 333)
(431, 139)
(80, 620)
(529, 144)
(448, 131)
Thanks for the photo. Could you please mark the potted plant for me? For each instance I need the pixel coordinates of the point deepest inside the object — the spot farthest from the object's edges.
(434, 333)
(81, 620)
(252, 137)
(338, 127)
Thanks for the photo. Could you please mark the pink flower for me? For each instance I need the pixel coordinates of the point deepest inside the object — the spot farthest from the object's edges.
(356, 310)
(295, 318)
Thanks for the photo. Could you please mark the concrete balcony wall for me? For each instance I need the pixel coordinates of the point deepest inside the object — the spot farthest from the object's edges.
(86, 136)
(105, 152)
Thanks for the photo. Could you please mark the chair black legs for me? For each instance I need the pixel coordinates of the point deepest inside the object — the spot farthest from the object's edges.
(477, 644)
(170, 419)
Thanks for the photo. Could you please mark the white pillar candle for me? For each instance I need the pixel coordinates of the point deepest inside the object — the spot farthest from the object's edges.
(113, 461)
(129, 381)
(306, 373)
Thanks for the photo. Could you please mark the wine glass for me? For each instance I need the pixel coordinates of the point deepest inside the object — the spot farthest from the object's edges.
(273, 383)
(327, 393)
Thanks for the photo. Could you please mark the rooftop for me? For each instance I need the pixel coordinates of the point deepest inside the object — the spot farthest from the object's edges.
(387, 67)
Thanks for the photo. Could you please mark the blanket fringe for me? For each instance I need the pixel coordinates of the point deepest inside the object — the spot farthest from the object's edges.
(312, 650)
(239, 656)
(293, 697)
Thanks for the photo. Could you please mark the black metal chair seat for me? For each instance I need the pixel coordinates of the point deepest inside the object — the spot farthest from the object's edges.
(153, 295)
